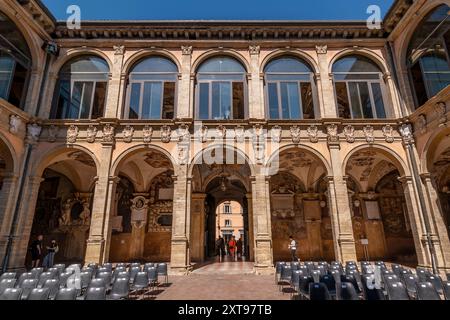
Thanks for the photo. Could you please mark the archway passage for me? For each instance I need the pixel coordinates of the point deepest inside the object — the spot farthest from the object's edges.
(141, 214)
(213, 187)
(299, 207)
(380, 212)
(64, 203)
(230, 224)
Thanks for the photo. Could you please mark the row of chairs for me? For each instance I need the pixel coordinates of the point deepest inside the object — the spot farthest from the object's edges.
(92, 282)
(311, 280)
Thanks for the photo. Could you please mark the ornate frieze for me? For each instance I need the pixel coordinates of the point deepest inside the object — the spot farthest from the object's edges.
(349, 132)
(72, 134)
(295, 134)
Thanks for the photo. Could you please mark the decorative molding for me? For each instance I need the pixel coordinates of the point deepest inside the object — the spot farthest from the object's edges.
(128, 133)
(119, 50)
(186, 50)
(313, 134)
(91, 134)
(321, 49)
(388, 133)
(72, 134)
(254, 49)
(368, 133)
(332, 133)
(52, 133)
(349, 133)
(147, 134)
(108, 134)
(295, 134)
(166, 134)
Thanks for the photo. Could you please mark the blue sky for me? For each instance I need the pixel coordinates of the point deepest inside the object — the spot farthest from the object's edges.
(220, 10)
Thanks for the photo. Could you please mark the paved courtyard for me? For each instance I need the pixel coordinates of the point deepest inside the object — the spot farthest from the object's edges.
(222, 281)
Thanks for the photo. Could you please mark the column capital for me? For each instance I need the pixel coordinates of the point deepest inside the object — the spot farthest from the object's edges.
(426, 176)
(405, 179)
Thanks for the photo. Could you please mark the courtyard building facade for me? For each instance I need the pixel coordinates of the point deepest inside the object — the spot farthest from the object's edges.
(123, 143)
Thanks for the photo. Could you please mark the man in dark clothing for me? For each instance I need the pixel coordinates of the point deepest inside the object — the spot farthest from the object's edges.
(36, 251)
(220, 246)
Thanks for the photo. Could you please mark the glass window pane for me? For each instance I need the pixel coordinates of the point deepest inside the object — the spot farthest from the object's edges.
(62, 100)
(272, 90)
(288, 65)
(75, 101)
(378, 100)
(221, 100)
(238, 100)
(87, 100)
(99, 100)
(365, 100)
(151, 103)
(290, 100)
(343, 103)
(307, 100)
(169, 101)
(6, 73)
(204, 101)
(155, 64)
(354, 98)
(221, 64)
(86, 64)
(135, 96)
(356, 76)
(355, 64)
(288, 77)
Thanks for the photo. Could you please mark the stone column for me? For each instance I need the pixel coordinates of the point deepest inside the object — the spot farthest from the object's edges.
(262, 224)
(442, 243)
(24, 223)
(325, 82)
(340, 212)
(197, 237)
(417, 223)
(7, 200)
(115, 87)
(184, 99)
(180, 255)
(391, 90)
(251, 235)
(97, 250)
(256, 108)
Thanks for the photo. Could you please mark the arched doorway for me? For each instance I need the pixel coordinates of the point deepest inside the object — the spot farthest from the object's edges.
(380, 214)
(141, 215)
(299, 206)
(213, 185)
(230, 224)
(64, 204)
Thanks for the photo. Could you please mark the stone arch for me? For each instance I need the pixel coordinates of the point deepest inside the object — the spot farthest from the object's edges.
(196, 159)
(75, 53)
(8, 153)
(280, 53)
(221, 52)
(131, 61)
(374, 57)
(429, 150)
(389, 153)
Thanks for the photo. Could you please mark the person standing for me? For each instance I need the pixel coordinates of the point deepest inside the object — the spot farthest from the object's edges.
(50, 257)
(36, 251)
(239, 248)
(293, 248)
(232, 246)
(219, 247)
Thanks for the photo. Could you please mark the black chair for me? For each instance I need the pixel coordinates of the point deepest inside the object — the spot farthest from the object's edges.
(53, 286)
(397, 291)
(351, 278)
(39, 294)
(446, 289)
(346, 291)
(117, 271)
(370, 290)
(322, 269)
(44, 277)
(106, 276)
(11, 294)
(23, 277)
(397, 269)
(36, 272)
(303, 286)
(295, 265)
(315, 274)
(422, 274)
(61, 267)
(7, 283)
(278, 267)
(162, 271)
(98, 283)
(140, 283)
(436, 281)
(66, 294)
(133, 272)
(8, 275)
(152, 277)
(367, 269)
(120, 289)
(97, 293)
(107, 266)
(411, 282)
(318, 292)
(102, 270)
(122, 275)
(330, 282)
(148, 265)
(63, 279)
(27, 286)
(135, 265)
(54, 272)
(285, 276)
(390, 279)
(122, 265)
(426, 291)
(295, 278)
(85, 279)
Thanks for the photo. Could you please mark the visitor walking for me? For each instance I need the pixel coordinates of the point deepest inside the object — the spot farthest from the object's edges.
(36, 251)
(50, 257)
(232, 247)
(239, 248)
(293, 248)
(220, 247)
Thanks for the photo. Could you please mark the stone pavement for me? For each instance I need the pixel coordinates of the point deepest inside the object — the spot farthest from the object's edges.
(222, 281)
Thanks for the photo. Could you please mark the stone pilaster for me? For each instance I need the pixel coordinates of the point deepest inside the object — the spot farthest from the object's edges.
(263, 250)
(340, 211)
(185, 90)
(97, 249)
(24, 223)
(442, 243)
(325, 85)
(251, 229)
(115, 85)
(7, 196)
(180, 255)
(197, 238)
(255, 86)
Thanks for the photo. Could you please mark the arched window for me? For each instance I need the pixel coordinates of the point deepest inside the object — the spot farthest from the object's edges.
(290, 89)
(221, 89)
(151, 89)
(81, 89)
(428, 55)
(359, 88)
(15, 63)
